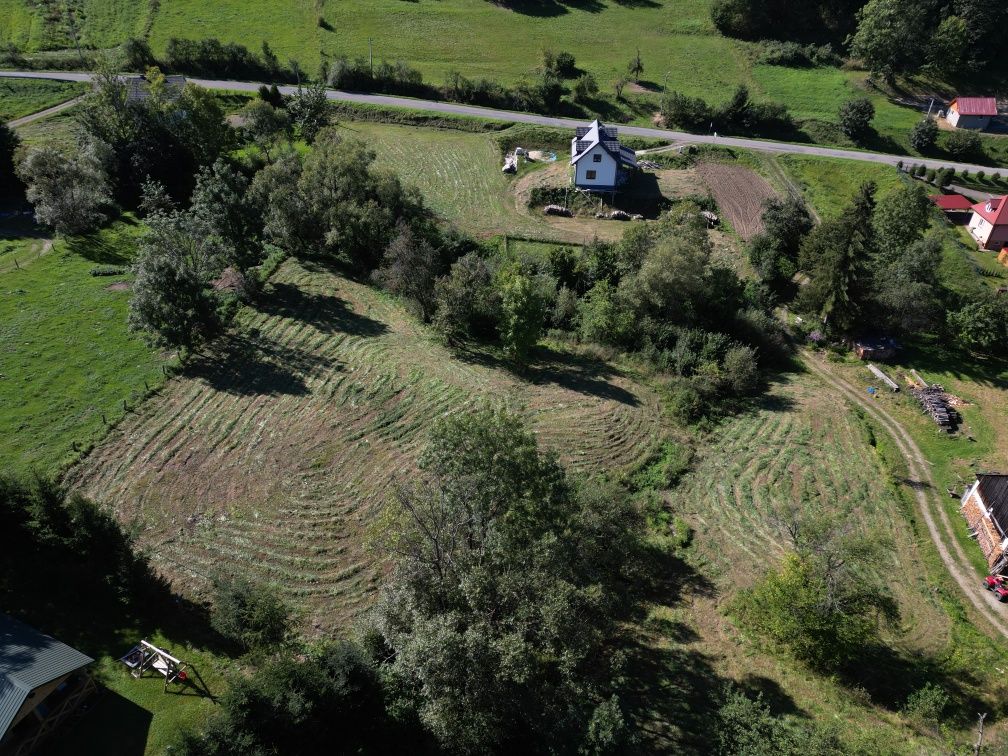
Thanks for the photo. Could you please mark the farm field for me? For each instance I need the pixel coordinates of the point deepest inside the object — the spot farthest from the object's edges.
(740, 193)
(21, 97)
(274, 454)
(66, 358)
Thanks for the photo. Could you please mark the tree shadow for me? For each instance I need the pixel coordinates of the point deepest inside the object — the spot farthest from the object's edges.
(325, 312)
(99, 248)
(578, 373)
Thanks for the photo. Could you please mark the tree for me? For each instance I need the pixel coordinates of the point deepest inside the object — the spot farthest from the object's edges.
(890, 36)
(982, 325)
(585, 88)
(221, 213)
(774, 251)
(636, 66)
(265, 125)
(71, 195)
(523, 313)
(855, 118)
(924, 135)
(820, 605)
(836, 256)
(309, 110)
(409, 269)
(249, 615)
(10, 185)
(949, 48)
(900, 219)
(500, 602)
(330, 694)
(686, 112)
(746, 727)
(172, 302)
(964, 144)
(619, 83)
(907, 290)
(467, 303)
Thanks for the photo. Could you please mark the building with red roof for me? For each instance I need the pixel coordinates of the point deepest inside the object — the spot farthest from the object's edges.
(951, 203)
(989, 223)
(971, 112)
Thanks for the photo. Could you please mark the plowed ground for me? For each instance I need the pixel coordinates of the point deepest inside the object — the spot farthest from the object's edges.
(273, 455)
(740, 193)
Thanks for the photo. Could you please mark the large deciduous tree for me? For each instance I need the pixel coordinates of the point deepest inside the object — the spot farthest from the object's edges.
(69, 194)
(500, 602)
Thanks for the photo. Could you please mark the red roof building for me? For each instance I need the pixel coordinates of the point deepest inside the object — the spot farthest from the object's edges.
(989, 224)
(951, 203)
(971, 112)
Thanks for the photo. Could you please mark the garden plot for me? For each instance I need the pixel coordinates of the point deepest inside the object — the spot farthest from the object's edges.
(740, 194)
(809, 453)
(275, 453)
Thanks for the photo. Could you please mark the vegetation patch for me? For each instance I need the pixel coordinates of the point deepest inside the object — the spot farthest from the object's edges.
(21, 97)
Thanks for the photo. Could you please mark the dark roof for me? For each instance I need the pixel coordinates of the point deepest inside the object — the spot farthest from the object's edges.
(975, 106)
(29, 659)
(993, 490)
(951, 201)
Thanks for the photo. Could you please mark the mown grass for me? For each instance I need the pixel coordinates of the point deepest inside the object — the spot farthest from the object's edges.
(21, 97)
(458, 173)
(67, 359)
(830, 184)
(57, 130)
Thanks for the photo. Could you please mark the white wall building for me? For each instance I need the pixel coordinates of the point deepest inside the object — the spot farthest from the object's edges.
(600, 162)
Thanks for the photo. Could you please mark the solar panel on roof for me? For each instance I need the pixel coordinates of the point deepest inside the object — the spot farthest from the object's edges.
(580, 131)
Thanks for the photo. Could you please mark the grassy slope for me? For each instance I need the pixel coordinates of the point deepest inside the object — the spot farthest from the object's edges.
(457, 173)
(67, 358)
(829, 184)
(21, 97)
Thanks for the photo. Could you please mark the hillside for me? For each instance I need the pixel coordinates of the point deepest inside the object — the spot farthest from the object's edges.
(276, 450)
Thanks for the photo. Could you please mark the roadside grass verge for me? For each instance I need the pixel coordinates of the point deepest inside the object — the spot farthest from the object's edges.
(22, 97)
(67, 360)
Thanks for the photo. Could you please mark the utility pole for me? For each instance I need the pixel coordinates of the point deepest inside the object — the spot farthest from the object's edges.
(370, 49)
(930, 106)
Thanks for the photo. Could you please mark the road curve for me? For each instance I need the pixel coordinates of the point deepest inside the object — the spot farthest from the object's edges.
(454, 108)
(925, 492)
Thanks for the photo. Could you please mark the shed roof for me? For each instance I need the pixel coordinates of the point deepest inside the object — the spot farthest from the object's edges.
(29, 659)
(975, 106)
(994, 210)
(993, 490)
(951, 201)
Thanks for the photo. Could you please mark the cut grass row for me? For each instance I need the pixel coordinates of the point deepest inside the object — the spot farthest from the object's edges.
(274, 453)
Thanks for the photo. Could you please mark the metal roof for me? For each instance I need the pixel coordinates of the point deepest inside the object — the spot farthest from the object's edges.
(951, 201)
(994, 210)
(586, 137)
(975, 106)
(29, 659)
(993, 490)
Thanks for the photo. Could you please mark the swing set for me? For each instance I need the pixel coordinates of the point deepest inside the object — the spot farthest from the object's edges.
(146, 656)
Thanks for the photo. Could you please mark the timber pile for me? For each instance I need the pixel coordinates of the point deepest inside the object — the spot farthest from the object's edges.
(558, 210)
(883, 377)
(935, 403)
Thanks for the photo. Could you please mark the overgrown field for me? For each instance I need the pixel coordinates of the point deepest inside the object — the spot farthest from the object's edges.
(21, 97)
(275, 453)
(66, 358)
(829, 184)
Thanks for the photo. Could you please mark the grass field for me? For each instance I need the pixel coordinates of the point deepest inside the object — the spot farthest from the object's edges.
(66, 357)
(273, 454)
(458, 173)
(21, 97)
(830, 184)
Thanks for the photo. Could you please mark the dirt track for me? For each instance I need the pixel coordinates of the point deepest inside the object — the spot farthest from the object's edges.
(923, 485)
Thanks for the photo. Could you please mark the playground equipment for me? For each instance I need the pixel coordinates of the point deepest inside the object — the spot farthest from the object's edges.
(144, 656)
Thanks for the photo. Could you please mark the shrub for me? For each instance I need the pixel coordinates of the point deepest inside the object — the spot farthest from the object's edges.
(585, 88)
(980, 175)
(964, 144)
(251, 616)
(945, 176)
(685, 404)
(926, 706)
(691, 113)
(855, 118)
(924, 135)
(920, 170)
(929, 176)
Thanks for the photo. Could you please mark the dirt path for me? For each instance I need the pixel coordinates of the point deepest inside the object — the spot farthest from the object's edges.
(923, 485)
(44, 113)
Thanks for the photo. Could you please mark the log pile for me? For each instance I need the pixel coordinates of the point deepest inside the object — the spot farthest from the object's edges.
(934, 402)
(558, 210)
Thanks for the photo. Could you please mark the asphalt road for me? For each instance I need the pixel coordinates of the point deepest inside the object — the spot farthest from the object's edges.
(761, 145)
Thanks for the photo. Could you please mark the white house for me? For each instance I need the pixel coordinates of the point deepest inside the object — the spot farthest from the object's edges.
(971, 112)
(600, 162)
(989, 223)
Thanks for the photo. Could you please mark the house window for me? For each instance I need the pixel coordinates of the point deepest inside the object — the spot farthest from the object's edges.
(597, 157)
(590, 175)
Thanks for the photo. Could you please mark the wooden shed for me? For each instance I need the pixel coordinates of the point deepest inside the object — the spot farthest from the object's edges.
(985, 507)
